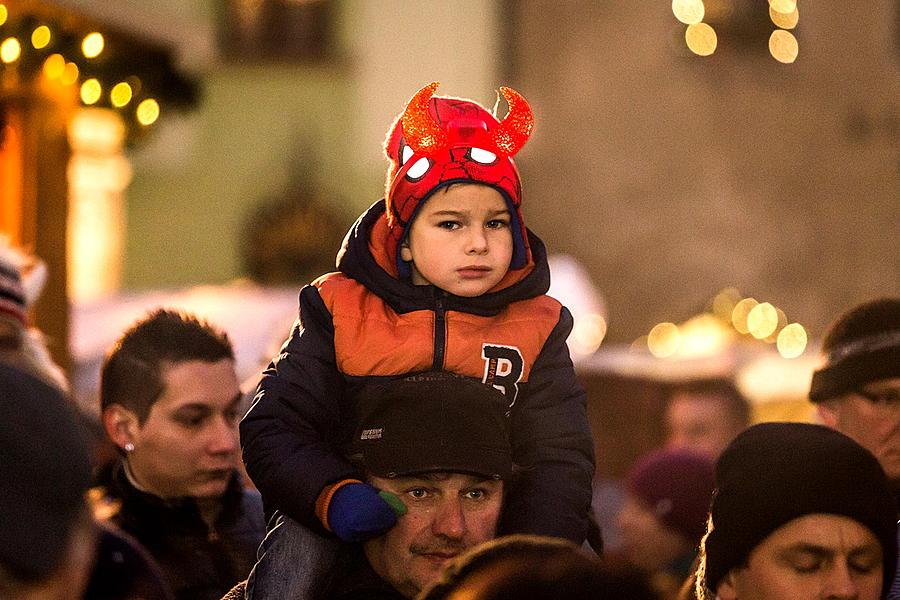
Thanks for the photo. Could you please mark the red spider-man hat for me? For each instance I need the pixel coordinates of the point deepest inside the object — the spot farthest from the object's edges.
(437, 141)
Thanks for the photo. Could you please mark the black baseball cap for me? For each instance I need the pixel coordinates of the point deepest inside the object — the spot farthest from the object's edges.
(433, 422)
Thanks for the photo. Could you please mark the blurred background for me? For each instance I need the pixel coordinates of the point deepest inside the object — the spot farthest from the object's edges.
(718, 179)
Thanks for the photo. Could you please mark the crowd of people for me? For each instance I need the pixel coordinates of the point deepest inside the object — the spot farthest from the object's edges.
(422, 433)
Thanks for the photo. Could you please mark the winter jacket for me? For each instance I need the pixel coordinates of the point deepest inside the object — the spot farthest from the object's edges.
(199, 562)
(363, 323)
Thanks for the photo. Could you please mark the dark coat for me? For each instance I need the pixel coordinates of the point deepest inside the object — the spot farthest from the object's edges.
(199, 562)
(364, 323)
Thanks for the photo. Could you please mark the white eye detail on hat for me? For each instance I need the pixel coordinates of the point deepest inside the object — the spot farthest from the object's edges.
(405, 154)
(419, 168)
(482, 156)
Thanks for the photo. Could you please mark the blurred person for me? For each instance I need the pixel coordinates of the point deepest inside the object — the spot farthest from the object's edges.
(705, 415)
(857, 390)
(664, 515)
(522, 567)
(437, 448)
(47, 535)
(800, 512)
(440, 275)
(169, 397)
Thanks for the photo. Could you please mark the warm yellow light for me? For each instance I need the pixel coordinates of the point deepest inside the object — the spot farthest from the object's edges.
(92, 45)
(40, 37)
(10, 50)
(785, 20)
(762, 320)
(724, 302)
(120, 94)
(148, 111)
(689, 12)
(701, 39)
(588, 333)
(664, 340)
(70, 74)
(783, 46)
(54, 66)
(783, 6)
(703, 335)
(91, 90)
(4, 14)
(740, 312)
(792, 341)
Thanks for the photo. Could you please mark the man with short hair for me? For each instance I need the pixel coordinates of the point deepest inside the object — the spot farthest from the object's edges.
(800, 512)
(437, 447)
(169, 396)
(704, 415)
(858, 388)
(47, 534)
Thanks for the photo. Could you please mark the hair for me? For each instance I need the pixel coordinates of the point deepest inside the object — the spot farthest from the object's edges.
(735, 403)
(870, 318)
(522, 567)
(132, 374)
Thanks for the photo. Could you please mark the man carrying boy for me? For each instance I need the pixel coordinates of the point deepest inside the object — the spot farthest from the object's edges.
(441, 275)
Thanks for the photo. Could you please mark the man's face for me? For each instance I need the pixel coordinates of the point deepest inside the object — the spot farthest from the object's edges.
(700, 423)
(814, 557)
(872, 418)
(448, 513)
(188, 444)
(647, 542)
(461, 240)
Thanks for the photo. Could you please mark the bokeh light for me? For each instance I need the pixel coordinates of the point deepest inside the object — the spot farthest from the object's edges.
(91, 90)
(70, 74)
(40, 37)
(664, 340)
(783, 6)
(54, 66)
(588, 333)
(120, 94)
(792, 341)
(92, 45)
(762, 320)
(148, 112)
(783, 46)
(701, 39)
(10, 50)
(689, 12)
(740, 312)
(4, 14)
(785, 20)
(724, 302)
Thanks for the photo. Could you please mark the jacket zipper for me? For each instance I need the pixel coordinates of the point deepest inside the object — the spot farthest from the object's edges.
(440, 334)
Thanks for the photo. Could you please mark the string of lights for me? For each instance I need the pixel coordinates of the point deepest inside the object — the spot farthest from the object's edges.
(110, 70)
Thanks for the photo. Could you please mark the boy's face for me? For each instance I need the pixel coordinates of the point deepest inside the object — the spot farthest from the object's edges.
(461, 240)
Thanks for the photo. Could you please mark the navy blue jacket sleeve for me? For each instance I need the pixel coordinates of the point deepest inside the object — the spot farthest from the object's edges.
(290, 435)
(552, 445)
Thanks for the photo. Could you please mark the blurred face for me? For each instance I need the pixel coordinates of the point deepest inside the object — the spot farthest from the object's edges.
(447, 513)
(700, 423)
(188, 444)
(461, 240)
(870, 416)
(647, 542)
(815, 557)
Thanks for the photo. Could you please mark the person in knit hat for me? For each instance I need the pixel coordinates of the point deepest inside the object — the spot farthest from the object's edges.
(667, 495)
(800, 512)
(857, 389)
(442, 275)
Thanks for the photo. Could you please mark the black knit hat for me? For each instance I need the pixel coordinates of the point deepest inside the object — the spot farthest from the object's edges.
(863, 345)
(430, 422)
(773, 473)
(44, 474)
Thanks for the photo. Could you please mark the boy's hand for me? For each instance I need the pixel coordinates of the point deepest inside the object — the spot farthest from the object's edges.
(357, 512)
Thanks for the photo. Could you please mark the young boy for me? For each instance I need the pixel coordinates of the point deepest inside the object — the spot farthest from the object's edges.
(440, 275)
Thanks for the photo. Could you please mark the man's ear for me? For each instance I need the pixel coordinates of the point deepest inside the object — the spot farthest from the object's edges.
(726, 589)
(121, 425)
(405, 252)
(828, 413)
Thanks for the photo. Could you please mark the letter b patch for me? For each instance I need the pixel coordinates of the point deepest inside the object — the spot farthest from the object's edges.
(503, 368)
